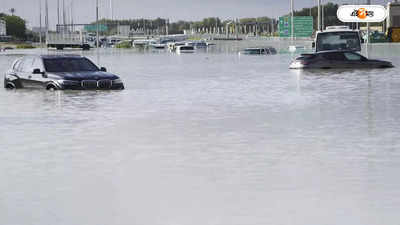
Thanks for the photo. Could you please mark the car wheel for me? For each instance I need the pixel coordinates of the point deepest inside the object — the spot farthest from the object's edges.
(51, 87)
(9, 84)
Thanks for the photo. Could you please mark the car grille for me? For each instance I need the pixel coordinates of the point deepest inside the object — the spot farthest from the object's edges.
(104, 84)
(94, 84)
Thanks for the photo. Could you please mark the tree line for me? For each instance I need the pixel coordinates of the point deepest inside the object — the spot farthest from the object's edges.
(15, 26)
(328, 10)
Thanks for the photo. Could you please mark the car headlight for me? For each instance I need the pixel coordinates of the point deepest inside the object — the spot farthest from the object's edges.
(296, 65)
(117, 81)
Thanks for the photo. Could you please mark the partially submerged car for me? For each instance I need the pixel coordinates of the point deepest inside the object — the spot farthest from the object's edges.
(337, 59)
(259, 51)
(59, 72)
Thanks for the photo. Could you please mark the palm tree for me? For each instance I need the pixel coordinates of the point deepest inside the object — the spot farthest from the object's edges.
(12, 11)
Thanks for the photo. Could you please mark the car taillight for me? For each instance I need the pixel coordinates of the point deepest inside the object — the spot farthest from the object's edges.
(305, 62)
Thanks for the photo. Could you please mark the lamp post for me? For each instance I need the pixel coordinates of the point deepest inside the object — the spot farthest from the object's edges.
(319, 15)
(97, 23)
(367, 42)
(291, 20)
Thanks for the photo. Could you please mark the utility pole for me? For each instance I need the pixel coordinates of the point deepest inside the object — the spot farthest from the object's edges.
(167, 27)
(237, 28)
(111, 10)
(72, 15)
(47, 19)
(40, 22)
(367, 42)
(291, 19)
(58, 13)
(319, 15)
(323, 16)
(97, 24)
(63, 9)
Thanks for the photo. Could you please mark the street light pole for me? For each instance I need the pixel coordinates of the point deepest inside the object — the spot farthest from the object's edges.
(368, 3)
(319, 15)
(40, 23)
(97, 23)
(291, 19)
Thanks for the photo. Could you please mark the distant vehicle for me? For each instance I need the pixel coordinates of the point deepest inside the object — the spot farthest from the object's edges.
(141, 43)
(185, 49)
(59, 72)
(336, 59)
(60, 41)
(294, 48)
(173, 45)
(198, 44)
(259, 51)
(157, 45)
(337, 38)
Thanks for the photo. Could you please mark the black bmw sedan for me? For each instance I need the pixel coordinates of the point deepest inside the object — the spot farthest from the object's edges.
(337, 60)
(60, 72)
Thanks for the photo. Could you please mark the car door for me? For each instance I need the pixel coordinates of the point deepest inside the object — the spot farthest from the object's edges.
(38, 80)
(23, 71)
(332, 60)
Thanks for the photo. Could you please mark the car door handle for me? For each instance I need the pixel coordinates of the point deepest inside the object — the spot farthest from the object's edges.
(29, 76)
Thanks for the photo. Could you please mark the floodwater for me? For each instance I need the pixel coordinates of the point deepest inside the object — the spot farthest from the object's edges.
(211, 138)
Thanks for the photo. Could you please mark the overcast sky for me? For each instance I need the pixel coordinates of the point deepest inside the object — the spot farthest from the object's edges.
(84, 10)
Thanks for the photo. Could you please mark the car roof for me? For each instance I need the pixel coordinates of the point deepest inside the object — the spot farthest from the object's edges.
(334, 51)
(64, 56)
(253, 48)
(337, 30)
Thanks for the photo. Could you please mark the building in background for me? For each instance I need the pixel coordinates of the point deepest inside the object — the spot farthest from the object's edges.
(393, 21)
(124, 30)
(3, 31)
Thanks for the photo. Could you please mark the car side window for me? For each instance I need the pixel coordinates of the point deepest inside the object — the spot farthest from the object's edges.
(21, 65)
(37, 64)
(27, 65)
(352, 57)
(16, 65)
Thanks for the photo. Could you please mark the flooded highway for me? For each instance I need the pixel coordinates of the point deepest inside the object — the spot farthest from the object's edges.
(210, 138)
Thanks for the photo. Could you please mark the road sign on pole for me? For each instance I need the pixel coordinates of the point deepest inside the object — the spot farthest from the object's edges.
(303, 26)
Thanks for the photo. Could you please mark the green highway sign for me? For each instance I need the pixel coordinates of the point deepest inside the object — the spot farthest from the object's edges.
(93, 27)
(303, 26)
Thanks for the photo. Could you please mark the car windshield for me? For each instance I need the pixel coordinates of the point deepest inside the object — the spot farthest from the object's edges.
(69, 65)
(252, 51)
(338, 41)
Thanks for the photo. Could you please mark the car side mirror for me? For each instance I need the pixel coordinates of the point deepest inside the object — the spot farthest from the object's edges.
(103, 69)
(313, 44)
(37, 71)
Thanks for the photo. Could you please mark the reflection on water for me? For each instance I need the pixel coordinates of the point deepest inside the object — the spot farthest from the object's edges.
(206, 138)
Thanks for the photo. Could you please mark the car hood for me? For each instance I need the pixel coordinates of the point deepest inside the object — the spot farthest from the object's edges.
(379, 61)
(86, 75)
